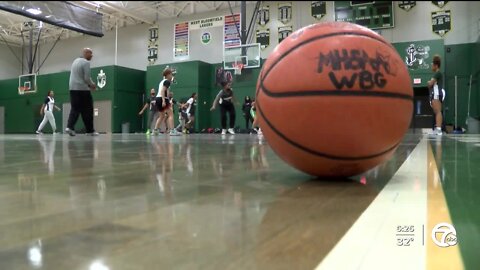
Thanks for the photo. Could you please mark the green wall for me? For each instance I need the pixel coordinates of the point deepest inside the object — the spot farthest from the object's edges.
(124, 87)
(128, 89)
(197, 76)
(457, 60)
(462, 61)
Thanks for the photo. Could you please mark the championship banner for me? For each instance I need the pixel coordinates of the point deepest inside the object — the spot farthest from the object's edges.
(181, 40)
(232, 31)
(441, 22)
(284, 32)
(263, 16)
(407, 5)
(319, 9)
(285, 12)
(152, 44)
(263, 37)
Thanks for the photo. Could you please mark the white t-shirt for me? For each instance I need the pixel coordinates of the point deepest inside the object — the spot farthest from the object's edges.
(163, 83)
(49, 104)
(190, 105)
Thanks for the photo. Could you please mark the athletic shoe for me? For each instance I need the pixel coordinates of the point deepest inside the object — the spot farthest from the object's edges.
(259, 132)
(70, 132)
(230, 130)
(174, 132)
(39, 132)
(148, 132)
(224, 131)
(93, 134)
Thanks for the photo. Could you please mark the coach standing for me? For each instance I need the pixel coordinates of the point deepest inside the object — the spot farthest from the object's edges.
(80, 97)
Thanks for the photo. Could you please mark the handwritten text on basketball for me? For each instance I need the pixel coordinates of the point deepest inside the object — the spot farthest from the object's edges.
(358, 61)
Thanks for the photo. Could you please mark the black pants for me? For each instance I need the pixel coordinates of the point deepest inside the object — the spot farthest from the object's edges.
(248, 119)
(82, 104)
(224, 108)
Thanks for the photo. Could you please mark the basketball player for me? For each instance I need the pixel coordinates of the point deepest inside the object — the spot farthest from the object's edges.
(152, 113)
(436, 94)
(225, 98)
(182, 115)
(190, 111)
(80, 85)
(253, 114)
(47, 111)
(163, 103)
(247, 106)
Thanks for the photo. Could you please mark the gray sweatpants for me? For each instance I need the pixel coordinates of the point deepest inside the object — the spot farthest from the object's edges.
(152, 119)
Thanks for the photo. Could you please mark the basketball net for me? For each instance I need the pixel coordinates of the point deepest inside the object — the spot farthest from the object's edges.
(238, 68)
(22, 89)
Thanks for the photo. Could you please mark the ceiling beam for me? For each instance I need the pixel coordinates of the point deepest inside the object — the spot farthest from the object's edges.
(125, 12)
(181, 9)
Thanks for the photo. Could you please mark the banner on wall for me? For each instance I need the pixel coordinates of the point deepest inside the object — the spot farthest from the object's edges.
(439, 4)
(263, 15)
(407, 5)
(152, 44)
(232, 31)
(206, 23)
(263, 37)
(181, 40)
(285, 12)
(441, 22)
(319, 9)
(284, 32)
(416, 57)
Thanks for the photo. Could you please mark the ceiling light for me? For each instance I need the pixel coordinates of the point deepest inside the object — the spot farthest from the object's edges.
(34, 11)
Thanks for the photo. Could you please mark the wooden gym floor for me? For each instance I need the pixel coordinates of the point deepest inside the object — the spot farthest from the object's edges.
(228, 202)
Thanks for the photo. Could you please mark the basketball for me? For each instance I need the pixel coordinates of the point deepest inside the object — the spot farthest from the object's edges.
(334, 99)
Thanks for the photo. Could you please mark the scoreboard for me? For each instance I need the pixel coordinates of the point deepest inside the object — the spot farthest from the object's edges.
(371, 14)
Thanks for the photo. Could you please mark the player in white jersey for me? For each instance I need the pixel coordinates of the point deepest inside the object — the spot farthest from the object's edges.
(47, 112)
(163, 103)
(190, 112)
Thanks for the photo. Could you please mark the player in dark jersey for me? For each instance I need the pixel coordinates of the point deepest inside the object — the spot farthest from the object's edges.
(225, 99)
(153, 111)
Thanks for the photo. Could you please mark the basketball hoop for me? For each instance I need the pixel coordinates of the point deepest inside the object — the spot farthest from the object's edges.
(22, 89)
(238, 68)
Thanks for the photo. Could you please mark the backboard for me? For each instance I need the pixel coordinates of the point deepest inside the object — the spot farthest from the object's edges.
(27, 84)
(247, 54)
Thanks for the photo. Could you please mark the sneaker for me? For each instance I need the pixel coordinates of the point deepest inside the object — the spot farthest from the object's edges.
(148, 132)
(174, 132)
(259, 132)
(224, 131)
(38, 132)
(70, 132)
(230, 130)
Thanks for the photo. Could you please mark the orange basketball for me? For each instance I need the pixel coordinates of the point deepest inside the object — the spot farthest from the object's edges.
(334, 99)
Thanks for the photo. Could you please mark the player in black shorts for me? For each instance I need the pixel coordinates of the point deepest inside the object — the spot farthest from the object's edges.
(163, 103)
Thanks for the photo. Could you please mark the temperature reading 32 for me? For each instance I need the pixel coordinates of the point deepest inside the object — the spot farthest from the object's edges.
(404, 241)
